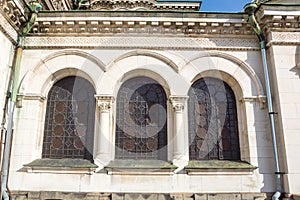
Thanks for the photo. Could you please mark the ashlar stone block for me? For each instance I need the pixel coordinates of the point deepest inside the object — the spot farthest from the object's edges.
(224, 197)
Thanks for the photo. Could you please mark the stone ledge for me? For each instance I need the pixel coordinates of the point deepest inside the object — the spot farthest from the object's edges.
(135, 167)
(45, 195)
(71, 166)
(218, 167)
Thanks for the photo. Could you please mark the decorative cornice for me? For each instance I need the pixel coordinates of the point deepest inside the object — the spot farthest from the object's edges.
(8, 29)
(238, 44)
(162, 24)
(113, 5)
(279, 20)
(13, 11)
(143, 5)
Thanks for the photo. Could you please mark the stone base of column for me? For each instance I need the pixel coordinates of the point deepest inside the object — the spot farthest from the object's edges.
(101, 160)
(180, 161)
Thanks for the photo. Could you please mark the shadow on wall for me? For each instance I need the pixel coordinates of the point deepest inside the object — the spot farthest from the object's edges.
(296, 69)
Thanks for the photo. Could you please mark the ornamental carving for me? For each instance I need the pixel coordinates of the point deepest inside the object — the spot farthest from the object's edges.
(104, 102)
(119, 5)
(12, 12)
(142, 42)
(178, 102)
(104, 106)
(285, 37)
(178, 107)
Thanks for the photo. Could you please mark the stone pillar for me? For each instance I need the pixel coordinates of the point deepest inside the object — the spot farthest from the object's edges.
(103, 139)
(180, 138)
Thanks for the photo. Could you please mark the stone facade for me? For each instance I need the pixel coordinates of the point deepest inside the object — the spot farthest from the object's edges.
(175, 49)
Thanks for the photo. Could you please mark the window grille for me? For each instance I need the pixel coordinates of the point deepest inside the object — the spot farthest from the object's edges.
(69, 121)
(213, 126)
(141, 128)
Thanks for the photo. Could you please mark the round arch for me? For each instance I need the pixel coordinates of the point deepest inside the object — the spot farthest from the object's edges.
(58, 65)
(148, 53)
(136, 63)
(219, 64)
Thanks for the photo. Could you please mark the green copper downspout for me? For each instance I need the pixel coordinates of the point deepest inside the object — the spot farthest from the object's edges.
(35, 7)
(250, 9)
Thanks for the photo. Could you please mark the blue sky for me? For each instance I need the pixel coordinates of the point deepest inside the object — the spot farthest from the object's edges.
(223, 5)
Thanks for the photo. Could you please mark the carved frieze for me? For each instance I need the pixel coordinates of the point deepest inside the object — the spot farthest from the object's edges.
(122, 5)
(143, 42)
(284, 38)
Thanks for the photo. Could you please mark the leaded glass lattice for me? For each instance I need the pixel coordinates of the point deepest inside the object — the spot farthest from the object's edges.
(69, 121)
(213, 128)
(141, 128)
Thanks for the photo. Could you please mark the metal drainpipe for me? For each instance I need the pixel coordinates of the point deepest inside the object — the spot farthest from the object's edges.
(250, 9)
(35, 7)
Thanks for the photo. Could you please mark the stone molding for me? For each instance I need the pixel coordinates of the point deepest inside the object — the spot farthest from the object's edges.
(30, 97)
(34, 97)
(237, 44)
(43, 195)
(262, 100)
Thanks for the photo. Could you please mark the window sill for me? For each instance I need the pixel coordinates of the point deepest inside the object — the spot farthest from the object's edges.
(139, 167)
(206, 167)
(61, 166)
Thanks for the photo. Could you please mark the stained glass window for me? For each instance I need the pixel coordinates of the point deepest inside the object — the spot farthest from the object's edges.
(141, 127)
(213, 126)
(69, 122)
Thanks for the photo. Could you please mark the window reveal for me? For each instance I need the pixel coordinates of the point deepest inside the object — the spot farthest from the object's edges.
(213, 128)
(69, 122)
(141, 128)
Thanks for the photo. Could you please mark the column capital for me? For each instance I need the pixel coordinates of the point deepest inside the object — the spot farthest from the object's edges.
(178, 102)
(104, 102)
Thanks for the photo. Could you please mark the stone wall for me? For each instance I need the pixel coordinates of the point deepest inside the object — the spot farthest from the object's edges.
(6, 54)
(135, 196)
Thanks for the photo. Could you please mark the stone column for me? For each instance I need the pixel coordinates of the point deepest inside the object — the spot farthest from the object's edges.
(180, 139)
(103, 137)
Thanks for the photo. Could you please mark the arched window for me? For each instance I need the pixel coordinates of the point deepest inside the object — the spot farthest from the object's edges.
(213, 126)
(69, 122)
(141, 127)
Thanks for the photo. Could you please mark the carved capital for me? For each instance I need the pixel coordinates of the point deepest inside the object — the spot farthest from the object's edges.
(104, 106)
(178, 102)
(179, 107)
(104, 102)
